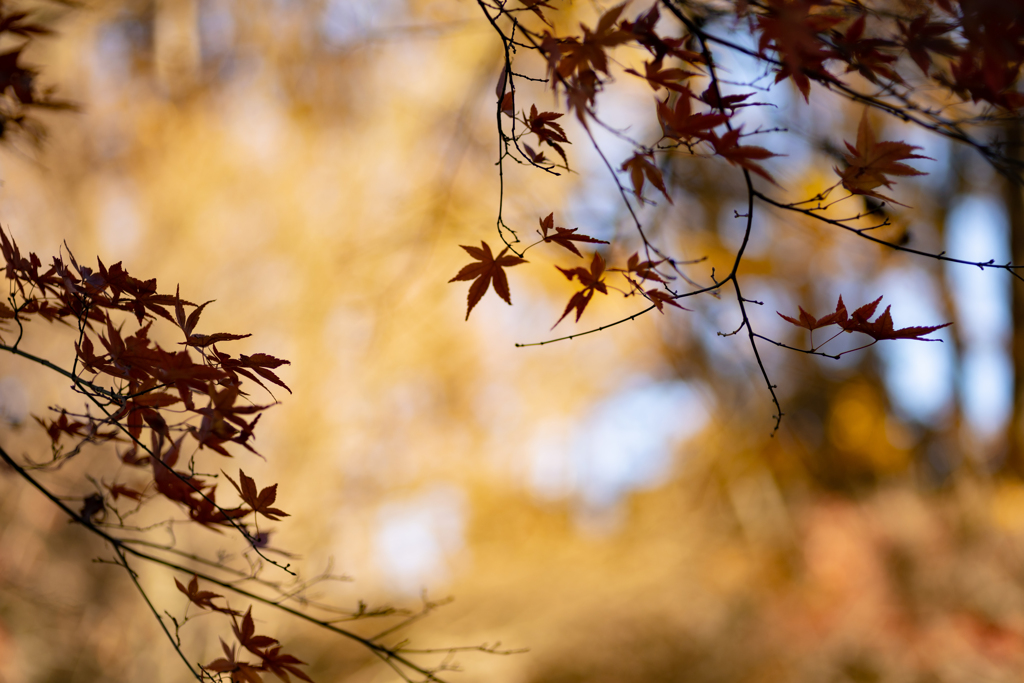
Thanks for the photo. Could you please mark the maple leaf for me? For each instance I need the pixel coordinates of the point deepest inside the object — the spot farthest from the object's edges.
(591, 281)
(643, 32)
(923, 36)
(153, 399)
(259, 502)
(860, 321)
(534, 156)
(882, 327)
(62, 425)
(542, 124)
(641, 165)
(645, 270)
(487, 270)
(15, 77)
(809, 322)
(215, 428)
(589, 53)
(281, 664)
(564, 237)
(205, 511)
(177, 486)
(508, 104)
(260, 363)
(863, 54)
(859, 316)
(186, 324)
(535, 5)
(659, 77)
(200, 341)
(744, 156)
(118, 490)
(200, 598)
(793, 29)
(712, 98)
(680, 123)
(247, 637)
(91, 506)
(581, 92)
(870, 161)
(241, 672)
(659, 297)
(185, 375)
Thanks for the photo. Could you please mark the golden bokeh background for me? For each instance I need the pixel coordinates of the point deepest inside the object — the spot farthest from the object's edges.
(614, 503)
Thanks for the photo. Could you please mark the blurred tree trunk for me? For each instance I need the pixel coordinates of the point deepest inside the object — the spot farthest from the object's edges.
(176, 45)
(1014, 203)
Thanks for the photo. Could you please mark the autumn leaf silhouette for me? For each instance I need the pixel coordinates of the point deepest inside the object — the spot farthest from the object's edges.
(281, 664)
(871, 161)
(882, 327)
(259, 502)
(542, 124)
(793, 29)
(240, 672)
(744, 156)
(564, 237)
(641, 165)
(860, 321)
(809, 322)
(200, 598)
(487, 270)
(645, 270)
(246, 634)
(659, 297)
(592, 282)
(679, 121)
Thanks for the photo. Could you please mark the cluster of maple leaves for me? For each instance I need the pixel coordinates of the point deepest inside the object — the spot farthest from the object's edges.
(488, 270)
(271, 657)
(20, 93)
(156, 403)
(972, 50)
(860, 321)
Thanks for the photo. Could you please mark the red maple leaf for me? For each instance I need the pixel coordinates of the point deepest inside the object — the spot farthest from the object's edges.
(871, 161)
(645, 270)
(564, 237)
(641, 165)
(535, 5)
(281, 664)
(923, 36)
(659, 297)
(809, 322)
(793, 29)
(713, 98)
(659, 77)
(589, 54)
(247, 637)
(240, 672)
(200, 598)
(487, 269)
(882, 327)
(591, 281)
(744, 156)
(259, 363)
(860, 321)
(542, 124)
(678, 121)
(259, 502)
(643, 32)
(118, 490)
(864, 54)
